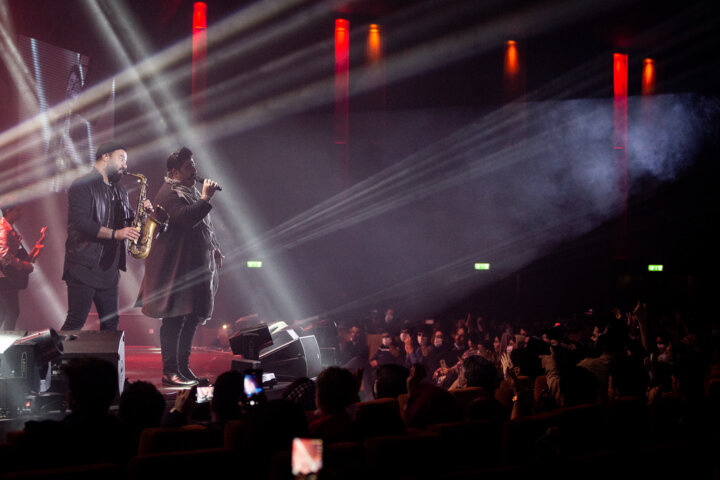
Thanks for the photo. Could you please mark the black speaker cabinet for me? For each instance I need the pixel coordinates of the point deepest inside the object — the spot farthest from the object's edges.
(241, 364)
(248, 342)
(107, 345)
(292, 360)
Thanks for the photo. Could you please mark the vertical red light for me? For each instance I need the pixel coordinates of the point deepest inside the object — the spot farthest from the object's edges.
(374, 45)
(342, 88)
(375, 68)
(513, 75)
(648, 77)
(620, 111)
(512, 63)
(199, 59)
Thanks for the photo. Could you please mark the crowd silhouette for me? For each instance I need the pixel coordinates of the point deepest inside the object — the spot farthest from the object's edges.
(632, 393)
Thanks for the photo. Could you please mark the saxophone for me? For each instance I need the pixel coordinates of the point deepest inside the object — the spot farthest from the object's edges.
(144, 223)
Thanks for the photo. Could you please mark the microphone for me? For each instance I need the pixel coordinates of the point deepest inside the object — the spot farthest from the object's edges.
(202, 180)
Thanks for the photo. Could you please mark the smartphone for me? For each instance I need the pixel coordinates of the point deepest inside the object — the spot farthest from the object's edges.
(252, 387)
(204, 394)
(306, 458)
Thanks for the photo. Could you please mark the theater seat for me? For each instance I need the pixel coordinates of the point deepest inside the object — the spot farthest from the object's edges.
(398, 457)
(192, 464)
(175, 439)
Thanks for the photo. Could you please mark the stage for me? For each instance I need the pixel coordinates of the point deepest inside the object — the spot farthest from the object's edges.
(144, 363)
(141, 363)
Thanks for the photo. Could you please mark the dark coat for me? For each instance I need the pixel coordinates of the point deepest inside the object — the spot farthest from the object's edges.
(180, 272)
(88, 210)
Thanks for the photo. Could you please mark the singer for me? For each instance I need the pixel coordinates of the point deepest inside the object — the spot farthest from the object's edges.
(181, 271)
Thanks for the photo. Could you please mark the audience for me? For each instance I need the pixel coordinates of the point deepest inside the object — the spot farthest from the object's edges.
(90, 433)
(664, 363)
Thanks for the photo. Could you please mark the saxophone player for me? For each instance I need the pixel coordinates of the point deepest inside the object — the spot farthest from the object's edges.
(181, 270)
(98, 213)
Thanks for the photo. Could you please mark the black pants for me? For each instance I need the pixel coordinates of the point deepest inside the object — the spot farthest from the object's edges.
(80, 299)
(176, 338)
(9, 308)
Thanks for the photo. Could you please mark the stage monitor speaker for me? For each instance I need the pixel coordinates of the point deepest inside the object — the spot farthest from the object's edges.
(281, 334)
(248, 342)
(298, 358)
(241, 364)
(107, 345)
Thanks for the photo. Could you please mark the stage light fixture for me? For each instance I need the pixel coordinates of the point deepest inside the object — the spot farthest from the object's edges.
(25, 365)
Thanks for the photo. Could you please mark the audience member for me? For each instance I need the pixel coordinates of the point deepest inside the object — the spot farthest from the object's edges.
(391, 381)
(90, 433)
(386, 353)
(141, 406)
(301, 392)
(354, 353)
(423, 353)
(428, 404)
(336, 390)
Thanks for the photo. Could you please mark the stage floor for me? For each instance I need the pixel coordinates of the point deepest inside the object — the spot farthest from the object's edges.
(144, 363)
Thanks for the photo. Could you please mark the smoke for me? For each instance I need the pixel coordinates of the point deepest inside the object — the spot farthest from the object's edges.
(505, 187)
(667, 134)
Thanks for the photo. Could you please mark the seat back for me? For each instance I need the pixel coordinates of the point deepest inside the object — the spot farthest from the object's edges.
(175, 439)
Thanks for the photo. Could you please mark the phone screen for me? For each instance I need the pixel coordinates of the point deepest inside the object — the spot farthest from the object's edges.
(252, 386)
(306, 456)
(204, 394)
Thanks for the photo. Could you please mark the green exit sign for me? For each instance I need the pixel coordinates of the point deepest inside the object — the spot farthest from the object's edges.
(254, 264)
(655, 268)
(482, 266)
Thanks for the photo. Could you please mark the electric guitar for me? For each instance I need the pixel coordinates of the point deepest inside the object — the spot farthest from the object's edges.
(19, 278)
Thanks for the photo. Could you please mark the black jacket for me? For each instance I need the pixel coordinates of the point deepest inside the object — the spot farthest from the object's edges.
(89, 206)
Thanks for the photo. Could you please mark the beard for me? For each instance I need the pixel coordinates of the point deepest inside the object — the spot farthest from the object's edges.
(113, 176)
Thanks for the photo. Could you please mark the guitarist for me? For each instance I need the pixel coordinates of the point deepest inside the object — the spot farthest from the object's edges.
(15, 266)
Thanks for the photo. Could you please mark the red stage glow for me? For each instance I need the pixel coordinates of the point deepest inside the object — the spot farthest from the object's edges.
(512, 62)
(199, 16)
(648, 77)
(342, 91)
(620, 104)
(342, 64)
(374, 44)
(620, 69)
(620, 81)
(342, 80)
(513, 73)
(199, 59)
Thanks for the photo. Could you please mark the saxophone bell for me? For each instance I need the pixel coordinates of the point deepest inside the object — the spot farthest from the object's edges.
(148, 226)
